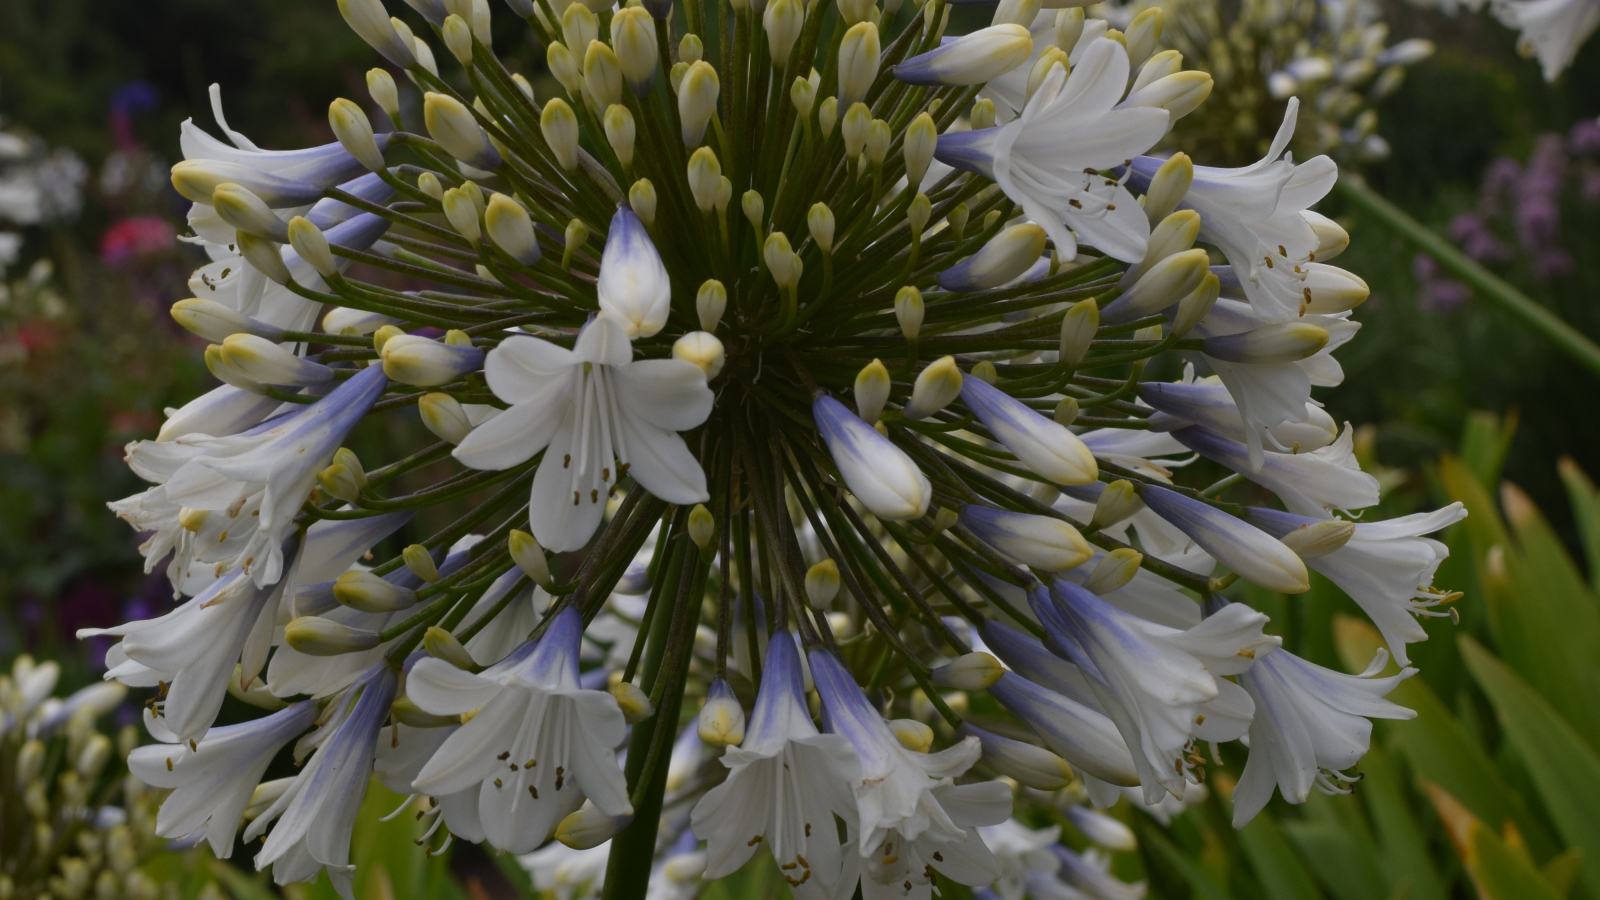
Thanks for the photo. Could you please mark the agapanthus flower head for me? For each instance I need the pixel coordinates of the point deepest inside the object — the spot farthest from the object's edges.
(881, 428)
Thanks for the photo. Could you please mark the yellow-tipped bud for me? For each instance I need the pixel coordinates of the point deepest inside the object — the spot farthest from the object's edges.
(530, 558)
(908, 311)
(634, 703)
(1319, 539)
(858, 62)
(602, 74)
(1116, 502)
(828, 116)
(1078, 328)
(633, 35)
(1157, 67)
(697, 101)
(564, 66)
(705, 178)
(702, 526)
(982, 115)
(444, 416)
(710, 303)
(872, 388)
(878, 141)
(822, 583)
(620, 132)
(240, 207)
(721, 719)
(462, 214)
(691, 49)
(969, 672)
(458, 39)
(642, 200)
(370, 593)
(420, 561)
(578, 27)
(1143, 34)
(1049, 59)
(803, 94)
(1114, 570)
(821, 224)
(1168, 187)
(935, 388)
(754, 209)
(912, 735)
(1332, 239)
(559, 125)
(857, 124)
(381, 87)
(1069, 27)
(354, 132)
(921, 138)
(407, 712)
(340, 482)
(589, 827)
(441, 644)
(703, 349)
(783, 20)
(316, 636)
(453, 126)
(1193, 308)
(511, 229)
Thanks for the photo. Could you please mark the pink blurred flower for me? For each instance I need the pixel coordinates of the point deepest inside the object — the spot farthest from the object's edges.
(137, 237)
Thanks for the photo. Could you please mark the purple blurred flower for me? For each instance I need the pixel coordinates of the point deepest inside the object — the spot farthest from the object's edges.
(127, 101)
(1584, 138)
(1436, 294)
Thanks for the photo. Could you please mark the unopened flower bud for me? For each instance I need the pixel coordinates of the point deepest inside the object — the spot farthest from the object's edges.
(579, 26)
(1078, 328)
(1173, 235)
(1049, 59)
(1328, 290)
(1332, 239)
(724, 195)
(984, 371)
(240, 207)
(710, 303)
(703, 349)
(589, 827)
(633, 36)
(1101, 829)
(420, 561)
(821, 224)
(1178, 94)
(754, 209)
(370, 20)
(620, 131)
(93, 757)
(908, 311)
(918, 211)
(974, 58)
(407, 712)
(642, 200)
(705, 178)
(857, 124)
(1069, 27)
(1193, 308)
(982, 115)
(935, 388)
(217, 322)
(1320, 539)
(675, 77)
(315, 636)
(634, 703)
(858, 62)
(424, 362)
(382, 89)
(1066, 413)
(697, 101)
(872, 385)
(573, 239)
(1288, 342)
(354, 132)
(441, 644)
(1004, 259)
(452, 125)
(702, 527)
(1029, 765)
(458, 39)
(969, 672)
(462, 214)
(530, 558)
(1016, 12)
(1167, 62)
(559, 125)
(1042, 542)
(262, 360)
(1114, 570)
(922, 136)
(822, 583)
(444, 416)
(783, 20)
(367, 592)
(511, 229)
(721, 720)
(30, 762)
(691, 49)
(1143, 34)
(1168, 187)
(564, 66)
(878, 141)
(803, 95)
(1162, 284)
(1117, 501)
(339, 482)
(853, 11)
(828, 116)
(912, 735)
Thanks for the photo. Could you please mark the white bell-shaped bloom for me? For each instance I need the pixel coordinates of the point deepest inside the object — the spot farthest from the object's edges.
(1161, 686)
(633, 283)
(1310, 484)
(1253, 215)
(877, 472)
(538, 744)
(317, 812)
(914, 820)
(1387, 568)
(598, 415)
(403, 751)
(194, 648)
(1020, 851)
(1551, 30)
(212, 780)
(220, 412)
(1207, 403)
(785, 784)
(1310, 724)
(1048, 158)
(227, 502)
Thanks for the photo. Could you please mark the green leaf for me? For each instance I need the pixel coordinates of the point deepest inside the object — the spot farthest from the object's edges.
(1335, 843)
(1485, 442)
(239, 885)
(1565, 770)
(1402, 846)
(1498, 870)
(1272, 858)
(1585, 511)
(1204, 887)
(1562, 870)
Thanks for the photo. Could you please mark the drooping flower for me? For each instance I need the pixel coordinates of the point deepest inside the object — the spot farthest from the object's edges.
(317, 812)
(785, 784)
(1310, 724)
(1310, 483)
(212, 780)
(1386, 567)
(914, 820)
(538, 744)
(227, 502)
(1552, 30)
(597, 414)
(1161, 686)
(1048, 159)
